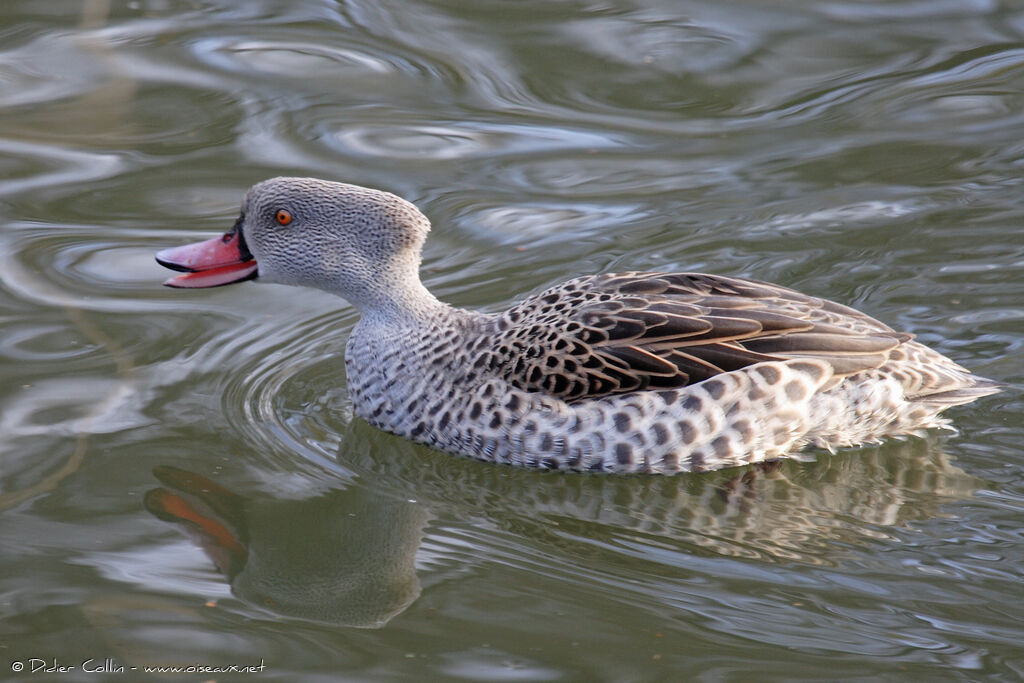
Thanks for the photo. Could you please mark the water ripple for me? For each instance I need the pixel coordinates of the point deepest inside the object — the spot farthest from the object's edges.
(296, 363)
(463, 140)
(88, 267)
(291, 59)
(44, 167)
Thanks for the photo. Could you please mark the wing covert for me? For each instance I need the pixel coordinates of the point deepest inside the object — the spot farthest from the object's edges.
(610, 334)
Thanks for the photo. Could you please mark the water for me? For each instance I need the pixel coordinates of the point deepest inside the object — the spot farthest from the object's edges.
(182, 482)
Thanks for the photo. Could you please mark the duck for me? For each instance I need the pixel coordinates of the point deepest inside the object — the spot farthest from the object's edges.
(635, 372)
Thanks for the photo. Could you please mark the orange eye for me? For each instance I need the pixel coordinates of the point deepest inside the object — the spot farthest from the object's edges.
(283, 217)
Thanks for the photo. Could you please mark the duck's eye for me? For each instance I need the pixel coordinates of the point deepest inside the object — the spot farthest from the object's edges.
(283, 217)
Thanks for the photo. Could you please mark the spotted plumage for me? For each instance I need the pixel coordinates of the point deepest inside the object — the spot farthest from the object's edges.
(633, 372)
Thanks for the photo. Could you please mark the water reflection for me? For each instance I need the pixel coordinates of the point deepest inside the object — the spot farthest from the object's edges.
(805, 512)
(343, 557)
(350, 557)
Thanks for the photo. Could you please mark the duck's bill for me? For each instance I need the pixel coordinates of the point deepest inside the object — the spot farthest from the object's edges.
(219, 261)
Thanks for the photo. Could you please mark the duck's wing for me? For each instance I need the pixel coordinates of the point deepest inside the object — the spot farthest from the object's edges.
(611, 334)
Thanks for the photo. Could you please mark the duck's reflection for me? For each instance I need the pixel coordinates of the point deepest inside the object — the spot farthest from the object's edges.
(348, 557)
(343, 557)
(778, 511)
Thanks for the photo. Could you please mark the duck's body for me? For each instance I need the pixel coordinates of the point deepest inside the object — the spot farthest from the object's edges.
(638, 372)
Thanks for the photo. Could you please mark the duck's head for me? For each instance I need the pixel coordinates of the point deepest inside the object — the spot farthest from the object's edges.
(349, 240)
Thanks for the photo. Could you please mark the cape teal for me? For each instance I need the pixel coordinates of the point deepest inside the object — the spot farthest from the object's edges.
(629, 372)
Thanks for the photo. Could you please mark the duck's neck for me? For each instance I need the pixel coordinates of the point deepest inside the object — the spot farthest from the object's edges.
(408, 306)
(394, 298)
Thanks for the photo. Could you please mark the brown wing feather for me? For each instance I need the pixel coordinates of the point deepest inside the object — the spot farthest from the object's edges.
(611, 334)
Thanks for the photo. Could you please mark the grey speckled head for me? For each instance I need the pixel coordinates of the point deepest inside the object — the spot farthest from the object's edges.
(360, 243)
